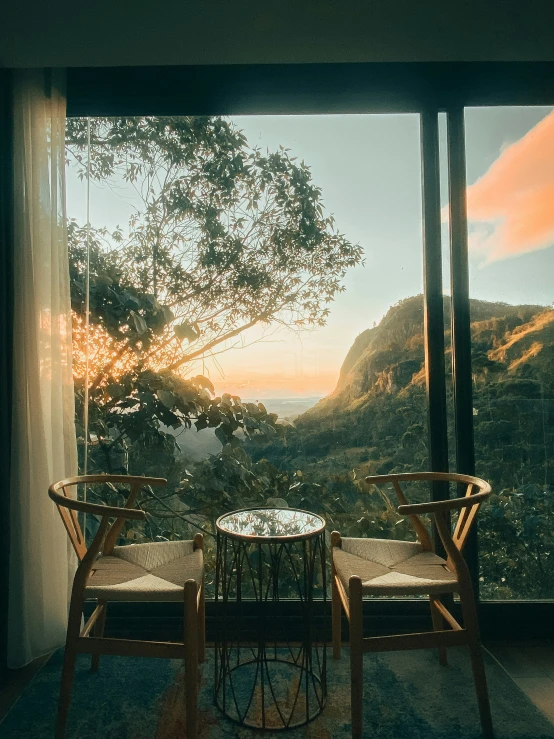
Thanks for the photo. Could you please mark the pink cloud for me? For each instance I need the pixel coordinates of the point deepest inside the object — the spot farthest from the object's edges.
(511, 207)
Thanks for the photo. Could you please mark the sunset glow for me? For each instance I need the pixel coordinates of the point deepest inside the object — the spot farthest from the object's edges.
(257, 386)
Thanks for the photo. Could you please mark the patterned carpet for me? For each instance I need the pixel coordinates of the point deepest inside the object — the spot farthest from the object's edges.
(407, 695)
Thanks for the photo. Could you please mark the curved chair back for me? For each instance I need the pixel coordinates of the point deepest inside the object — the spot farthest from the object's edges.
(477, 490)
(68, 508)
(82, 639)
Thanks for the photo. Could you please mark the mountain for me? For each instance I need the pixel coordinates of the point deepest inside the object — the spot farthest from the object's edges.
(375, 421)
(389, 358)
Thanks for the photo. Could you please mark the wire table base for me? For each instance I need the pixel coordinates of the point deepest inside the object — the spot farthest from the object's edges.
(262, 681)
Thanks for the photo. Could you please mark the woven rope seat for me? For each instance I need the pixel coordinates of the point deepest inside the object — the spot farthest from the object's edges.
(390, 567)
(154, 572)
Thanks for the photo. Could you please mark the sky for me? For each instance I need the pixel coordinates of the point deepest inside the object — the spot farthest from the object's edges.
(368, 167)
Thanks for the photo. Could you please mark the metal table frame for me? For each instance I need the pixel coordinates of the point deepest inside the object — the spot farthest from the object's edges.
(250, 563)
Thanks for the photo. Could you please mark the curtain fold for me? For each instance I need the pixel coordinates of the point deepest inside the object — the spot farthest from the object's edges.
(43, 430)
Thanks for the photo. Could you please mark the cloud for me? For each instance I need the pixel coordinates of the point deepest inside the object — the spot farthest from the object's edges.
(511, 207)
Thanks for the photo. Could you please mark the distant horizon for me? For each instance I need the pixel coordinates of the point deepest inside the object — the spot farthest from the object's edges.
(301, 400)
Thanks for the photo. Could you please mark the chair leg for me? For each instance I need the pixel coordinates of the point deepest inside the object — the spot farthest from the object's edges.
(202, 625)
(438, 625)
(191, 658)
(356, 655)
(70, 656)
(99, 632)
(471, 625)
(336, 604)
(336, 615)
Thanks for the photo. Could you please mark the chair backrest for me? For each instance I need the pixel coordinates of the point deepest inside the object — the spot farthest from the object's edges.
(68, 507)
(476, 492)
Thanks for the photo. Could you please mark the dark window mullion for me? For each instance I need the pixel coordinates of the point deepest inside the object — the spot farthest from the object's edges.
(461, 320)
(433, 304)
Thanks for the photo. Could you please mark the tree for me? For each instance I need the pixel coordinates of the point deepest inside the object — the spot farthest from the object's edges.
(221, 238)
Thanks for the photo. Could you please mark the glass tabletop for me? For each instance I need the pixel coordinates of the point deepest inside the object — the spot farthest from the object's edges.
(270, 523)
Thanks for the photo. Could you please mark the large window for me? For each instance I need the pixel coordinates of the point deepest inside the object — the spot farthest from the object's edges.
(255, 332)
(510, 168)
(248, 312)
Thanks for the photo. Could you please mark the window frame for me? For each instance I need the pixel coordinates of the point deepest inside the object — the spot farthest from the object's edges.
(424, 88)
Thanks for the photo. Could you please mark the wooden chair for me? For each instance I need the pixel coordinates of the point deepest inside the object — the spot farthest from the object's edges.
(390, 567)
(161, 571)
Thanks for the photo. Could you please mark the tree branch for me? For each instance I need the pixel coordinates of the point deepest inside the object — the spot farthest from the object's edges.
(211, 344)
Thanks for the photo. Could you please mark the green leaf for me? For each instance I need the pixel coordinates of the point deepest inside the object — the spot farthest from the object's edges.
(267, 429)
(221, 435)
(201, 422)
(130, 300)
(167, 398)
(204, 382)
(139, 323)
(186, 331)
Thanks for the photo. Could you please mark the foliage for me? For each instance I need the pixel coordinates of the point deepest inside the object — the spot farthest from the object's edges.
(374, 424)
(221, 238)
(517, 542)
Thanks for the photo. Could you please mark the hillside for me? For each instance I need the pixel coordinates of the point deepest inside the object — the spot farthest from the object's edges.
(376, 419)
(389, 358)
(375, 422)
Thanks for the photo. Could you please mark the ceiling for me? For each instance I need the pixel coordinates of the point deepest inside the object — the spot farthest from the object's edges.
(180, 32)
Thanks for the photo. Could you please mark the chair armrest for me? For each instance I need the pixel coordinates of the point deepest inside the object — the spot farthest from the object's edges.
(439, 506)
(104, 477)
(132, 514)
(422, 476)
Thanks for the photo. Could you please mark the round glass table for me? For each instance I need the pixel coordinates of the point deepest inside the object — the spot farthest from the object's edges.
(263, 678)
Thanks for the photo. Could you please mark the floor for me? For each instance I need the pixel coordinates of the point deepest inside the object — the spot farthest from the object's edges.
(12, 683)
(530, 664)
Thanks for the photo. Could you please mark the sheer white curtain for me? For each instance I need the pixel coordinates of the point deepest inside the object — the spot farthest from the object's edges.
(44, 445)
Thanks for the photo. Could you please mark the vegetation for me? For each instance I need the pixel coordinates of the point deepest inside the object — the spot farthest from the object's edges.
(375, 423)
(223, 238)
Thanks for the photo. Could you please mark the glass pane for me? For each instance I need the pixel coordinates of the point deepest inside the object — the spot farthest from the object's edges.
(367, 360)
(510, 167)
(256, 313)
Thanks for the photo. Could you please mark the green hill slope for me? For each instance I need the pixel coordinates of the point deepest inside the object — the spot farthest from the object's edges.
(375, 422)
(390, 357)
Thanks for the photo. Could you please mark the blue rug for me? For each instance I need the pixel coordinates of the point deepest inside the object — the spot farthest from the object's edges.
(407, 694)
